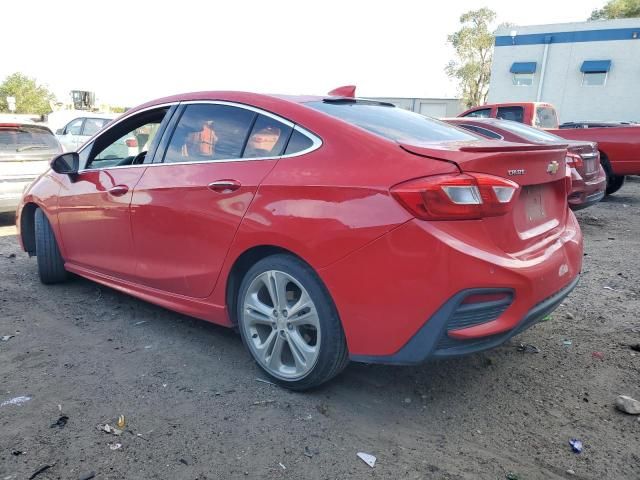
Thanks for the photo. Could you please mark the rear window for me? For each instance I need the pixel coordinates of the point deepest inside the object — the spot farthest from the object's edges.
(23, 138)
(546, 118)
(530, 133)
(515, 114)
(392, 123)
(482, 113)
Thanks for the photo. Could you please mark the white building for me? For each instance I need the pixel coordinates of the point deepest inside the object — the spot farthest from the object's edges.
(588, 70)
(432, 107)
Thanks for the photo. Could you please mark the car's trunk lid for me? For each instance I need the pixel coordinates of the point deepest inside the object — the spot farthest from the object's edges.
(540, 209)
(590, 155)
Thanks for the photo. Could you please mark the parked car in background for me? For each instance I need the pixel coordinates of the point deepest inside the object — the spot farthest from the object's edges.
(618, 142)
(26, 149)
(80, 129)
(588, 178)
(323, 228)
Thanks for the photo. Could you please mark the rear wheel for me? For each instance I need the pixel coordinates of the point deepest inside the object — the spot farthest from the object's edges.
(289, 323)
(50, 262)
(614, 182)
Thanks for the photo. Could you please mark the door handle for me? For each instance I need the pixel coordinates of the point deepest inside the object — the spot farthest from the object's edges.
(224, 186)
(118, 190)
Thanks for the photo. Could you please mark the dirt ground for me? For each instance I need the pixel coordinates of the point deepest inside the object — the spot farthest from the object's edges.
(195, 410)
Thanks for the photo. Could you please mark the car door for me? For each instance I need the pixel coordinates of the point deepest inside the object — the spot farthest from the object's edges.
(185, 211)
(69, 136)
(93, 206)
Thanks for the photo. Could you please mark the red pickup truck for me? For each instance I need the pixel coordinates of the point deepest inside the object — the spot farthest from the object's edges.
(619, 143)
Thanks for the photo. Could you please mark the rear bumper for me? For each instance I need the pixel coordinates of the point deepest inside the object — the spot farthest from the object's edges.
(11, 193)
(397, 295)
(585, 193)
(433, 341)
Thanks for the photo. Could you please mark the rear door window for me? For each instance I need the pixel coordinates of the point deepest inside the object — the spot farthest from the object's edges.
(515, 114)
(210, 132)
(482, 113)
(92, 125)
(268, 138)
(74, 127)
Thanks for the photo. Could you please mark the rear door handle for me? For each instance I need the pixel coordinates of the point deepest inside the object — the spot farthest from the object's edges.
(118, 190)
(224, 186)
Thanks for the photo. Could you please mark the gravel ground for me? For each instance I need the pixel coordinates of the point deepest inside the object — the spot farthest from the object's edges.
(195, 410)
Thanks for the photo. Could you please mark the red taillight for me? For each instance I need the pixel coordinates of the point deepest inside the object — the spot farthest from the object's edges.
(456, 197)
(574, 160)
(131, 142)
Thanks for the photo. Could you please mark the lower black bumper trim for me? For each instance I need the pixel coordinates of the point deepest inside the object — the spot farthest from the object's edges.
(423, 345)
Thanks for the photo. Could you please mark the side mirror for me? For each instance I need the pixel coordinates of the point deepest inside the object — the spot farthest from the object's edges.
(60, 131)
(66, 163)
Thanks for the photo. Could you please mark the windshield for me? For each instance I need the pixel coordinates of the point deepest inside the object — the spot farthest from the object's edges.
(19, 138)
(530, 133)
(392, 122)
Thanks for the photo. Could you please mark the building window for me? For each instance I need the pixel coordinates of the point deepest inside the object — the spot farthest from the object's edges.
(523, 79)
(594, 79)
(595, 72)
(523, 73)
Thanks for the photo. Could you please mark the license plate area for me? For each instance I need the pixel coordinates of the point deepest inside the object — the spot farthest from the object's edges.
(534, 208)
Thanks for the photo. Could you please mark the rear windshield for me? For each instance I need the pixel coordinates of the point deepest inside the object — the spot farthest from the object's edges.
(392, 122)
(24, 138)
(546, 117)
(530, 133)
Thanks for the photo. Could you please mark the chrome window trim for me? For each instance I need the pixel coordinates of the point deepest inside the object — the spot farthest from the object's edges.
(316, 142)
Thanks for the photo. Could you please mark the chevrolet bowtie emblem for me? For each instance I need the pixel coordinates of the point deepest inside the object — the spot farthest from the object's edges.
(552, 168)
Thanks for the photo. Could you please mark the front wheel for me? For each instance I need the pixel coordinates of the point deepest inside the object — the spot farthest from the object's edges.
(289, 323)
(50, 262)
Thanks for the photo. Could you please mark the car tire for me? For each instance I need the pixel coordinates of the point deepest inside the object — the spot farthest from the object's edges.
(50, 262)
(298, 348)
(614, 182)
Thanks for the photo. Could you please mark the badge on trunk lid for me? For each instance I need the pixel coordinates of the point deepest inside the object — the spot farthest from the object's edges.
(552, 168)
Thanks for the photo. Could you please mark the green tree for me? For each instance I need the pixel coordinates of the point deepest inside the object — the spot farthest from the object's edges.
(617, 9)
(30, 97)
(473, 44)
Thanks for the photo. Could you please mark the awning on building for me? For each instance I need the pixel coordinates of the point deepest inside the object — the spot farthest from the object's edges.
(595, 66)
(524, 67)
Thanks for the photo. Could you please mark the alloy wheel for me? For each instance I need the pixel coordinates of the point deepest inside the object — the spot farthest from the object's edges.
(281, 325)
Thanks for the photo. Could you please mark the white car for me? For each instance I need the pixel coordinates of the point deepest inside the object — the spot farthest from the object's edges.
(26, 148)
(80, 129)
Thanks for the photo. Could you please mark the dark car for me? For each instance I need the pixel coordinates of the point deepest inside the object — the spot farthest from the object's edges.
(587, 175)
(25, 151)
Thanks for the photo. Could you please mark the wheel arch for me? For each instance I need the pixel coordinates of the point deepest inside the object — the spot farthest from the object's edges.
(28, 227)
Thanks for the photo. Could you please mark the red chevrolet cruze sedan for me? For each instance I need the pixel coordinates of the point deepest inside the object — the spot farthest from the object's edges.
(326, 229)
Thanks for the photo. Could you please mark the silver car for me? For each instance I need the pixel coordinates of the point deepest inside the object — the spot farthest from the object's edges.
(25, 151)
(73, 135)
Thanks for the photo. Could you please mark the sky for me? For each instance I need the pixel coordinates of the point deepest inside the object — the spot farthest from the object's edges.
(132, 51)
